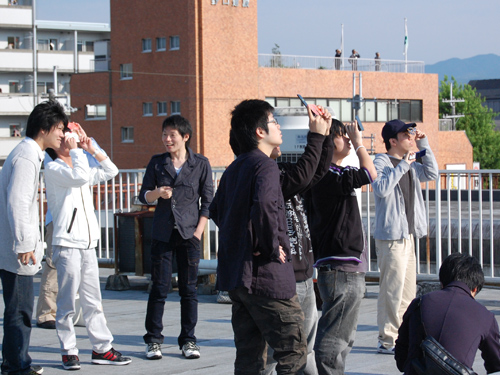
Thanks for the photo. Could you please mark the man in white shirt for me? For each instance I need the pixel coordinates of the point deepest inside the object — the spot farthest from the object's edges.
(20, 243)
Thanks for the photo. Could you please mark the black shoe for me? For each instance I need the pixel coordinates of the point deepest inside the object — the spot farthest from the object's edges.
(49, 324)
(111, 357)
(71, 362)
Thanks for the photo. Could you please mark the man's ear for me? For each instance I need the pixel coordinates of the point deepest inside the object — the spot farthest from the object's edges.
(261, 133)
(393, 142)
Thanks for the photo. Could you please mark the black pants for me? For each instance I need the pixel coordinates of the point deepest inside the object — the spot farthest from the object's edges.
(188, 258)
(279, 322)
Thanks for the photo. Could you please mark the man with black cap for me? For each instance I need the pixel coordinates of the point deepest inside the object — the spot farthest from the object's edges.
(399, 218)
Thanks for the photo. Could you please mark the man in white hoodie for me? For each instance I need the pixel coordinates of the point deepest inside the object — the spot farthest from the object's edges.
(76, 233)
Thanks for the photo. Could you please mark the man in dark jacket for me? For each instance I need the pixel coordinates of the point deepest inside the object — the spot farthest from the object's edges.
(254, 262)
(181, 182)
(453, 317)
(295, 179)
(338, 244)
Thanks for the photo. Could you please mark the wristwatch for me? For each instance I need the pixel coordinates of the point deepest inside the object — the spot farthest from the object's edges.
(96, 152)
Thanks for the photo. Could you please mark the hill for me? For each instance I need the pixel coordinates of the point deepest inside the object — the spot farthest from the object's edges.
(465, 70)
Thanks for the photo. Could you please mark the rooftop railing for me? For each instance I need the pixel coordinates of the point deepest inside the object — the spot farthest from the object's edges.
(342, 63)
(463, 215)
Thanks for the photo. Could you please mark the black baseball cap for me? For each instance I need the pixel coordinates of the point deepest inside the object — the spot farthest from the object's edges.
(393, 127)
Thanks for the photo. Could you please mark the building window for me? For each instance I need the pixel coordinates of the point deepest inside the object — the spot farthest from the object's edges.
(14, 87)
(162, 108)
(174, 43)
(146, 45)
(147, 109)
(175, 108)
(127, 134)
(246, 3)
(12, 42)
(44, 87)
(53, 46)
(85, 46)
(382, 111)
(43, 45)
(15, 130)
(416, 111)
(161, 44)
(95, 112)
(126, 71)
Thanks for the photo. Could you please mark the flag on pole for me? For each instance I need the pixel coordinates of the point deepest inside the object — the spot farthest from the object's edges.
(406, 48)
(342, 46)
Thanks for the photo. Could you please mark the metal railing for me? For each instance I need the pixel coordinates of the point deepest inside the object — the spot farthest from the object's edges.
(462, 216)
(342, 63)
(465, 207)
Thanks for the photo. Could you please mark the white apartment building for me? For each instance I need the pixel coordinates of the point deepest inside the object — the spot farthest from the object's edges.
(62, 48)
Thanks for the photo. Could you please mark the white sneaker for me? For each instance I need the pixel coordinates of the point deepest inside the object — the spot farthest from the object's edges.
(153, 350)
(190, 350)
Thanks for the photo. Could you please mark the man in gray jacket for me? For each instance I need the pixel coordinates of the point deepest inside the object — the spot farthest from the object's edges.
(20, 243)
(399, 219)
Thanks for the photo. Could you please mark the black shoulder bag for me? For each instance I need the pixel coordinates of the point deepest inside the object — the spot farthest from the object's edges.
(436, 359)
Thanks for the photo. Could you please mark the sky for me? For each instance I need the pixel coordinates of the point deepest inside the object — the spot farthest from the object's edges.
(437, 29)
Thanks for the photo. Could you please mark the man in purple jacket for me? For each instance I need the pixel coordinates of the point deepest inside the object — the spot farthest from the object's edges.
(254, 262)
(453, 317)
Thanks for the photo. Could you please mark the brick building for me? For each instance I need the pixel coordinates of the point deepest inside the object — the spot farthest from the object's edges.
(200, 58)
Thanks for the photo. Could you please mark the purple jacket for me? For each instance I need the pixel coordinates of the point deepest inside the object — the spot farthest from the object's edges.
(249, 210)
(455, 319)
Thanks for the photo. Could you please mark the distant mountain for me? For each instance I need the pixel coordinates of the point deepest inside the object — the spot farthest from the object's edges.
(464, 70)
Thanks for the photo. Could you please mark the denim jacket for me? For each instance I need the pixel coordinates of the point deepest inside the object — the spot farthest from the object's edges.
(390, 215)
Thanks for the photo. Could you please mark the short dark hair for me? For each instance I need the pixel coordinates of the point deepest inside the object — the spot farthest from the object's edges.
(246, 118)
(179, 123)
(464, 268)
(234, 143)
(337, 129)
(45, 116)
(52, 153)
(387, 143)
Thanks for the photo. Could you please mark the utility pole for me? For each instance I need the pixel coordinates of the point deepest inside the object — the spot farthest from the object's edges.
(452, 102)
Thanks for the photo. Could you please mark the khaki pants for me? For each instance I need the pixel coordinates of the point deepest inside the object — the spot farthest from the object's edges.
(398, 284)
(46, 306)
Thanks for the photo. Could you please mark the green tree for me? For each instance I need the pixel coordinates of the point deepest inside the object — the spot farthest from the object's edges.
(478, 121)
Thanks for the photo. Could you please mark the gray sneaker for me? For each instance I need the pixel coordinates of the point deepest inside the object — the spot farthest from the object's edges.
(190, 350)
(382, 349)
(153, 350)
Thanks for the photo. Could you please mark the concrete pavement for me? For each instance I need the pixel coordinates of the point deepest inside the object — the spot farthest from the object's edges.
(125, 312)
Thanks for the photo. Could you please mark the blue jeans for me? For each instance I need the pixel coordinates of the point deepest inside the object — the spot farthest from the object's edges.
(188, 257)
(341, 293)
(18, 297)
(307, 301)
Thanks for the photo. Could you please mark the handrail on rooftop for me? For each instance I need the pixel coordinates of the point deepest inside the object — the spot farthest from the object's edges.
(342, 63)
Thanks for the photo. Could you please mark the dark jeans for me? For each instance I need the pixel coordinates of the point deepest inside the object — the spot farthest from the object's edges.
(18, 297)
(341, 293)
(279, 322)
(188, 257)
